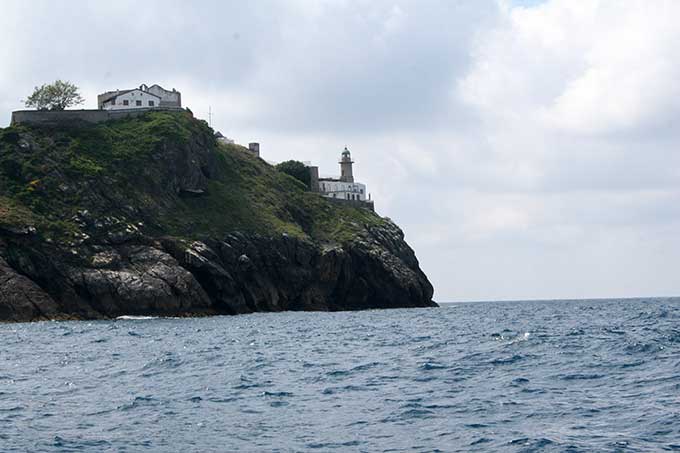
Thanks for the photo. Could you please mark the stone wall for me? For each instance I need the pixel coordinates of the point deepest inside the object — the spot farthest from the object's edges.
(168, 98)
(313, 178)
(57, 117)
(368, 204)
(254, 148)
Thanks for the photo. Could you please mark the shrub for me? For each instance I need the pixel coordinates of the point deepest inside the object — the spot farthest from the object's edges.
(297, 170)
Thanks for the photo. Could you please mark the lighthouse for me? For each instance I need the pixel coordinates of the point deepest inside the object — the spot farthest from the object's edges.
(344, 188)
(346, 166)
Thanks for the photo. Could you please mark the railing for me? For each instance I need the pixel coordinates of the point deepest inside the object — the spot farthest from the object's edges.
(358, 191)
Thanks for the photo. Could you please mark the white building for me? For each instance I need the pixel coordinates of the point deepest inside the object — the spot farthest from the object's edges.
(333, 188)
(169, 98)
(128, 99)
(344, 187)
(142, 97)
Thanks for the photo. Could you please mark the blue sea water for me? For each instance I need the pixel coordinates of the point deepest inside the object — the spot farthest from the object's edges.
(562, 376)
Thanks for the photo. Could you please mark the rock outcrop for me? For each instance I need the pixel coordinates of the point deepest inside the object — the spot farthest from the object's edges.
(129, 241)
(235, 274)
(21, 299)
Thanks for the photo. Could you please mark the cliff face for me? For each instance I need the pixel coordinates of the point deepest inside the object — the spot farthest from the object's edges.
(149, 216)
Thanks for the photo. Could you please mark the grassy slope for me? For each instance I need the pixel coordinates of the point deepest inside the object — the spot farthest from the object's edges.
(108, 169)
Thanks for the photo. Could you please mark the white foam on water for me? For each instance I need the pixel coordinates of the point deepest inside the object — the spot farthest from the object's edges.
(520, 338)
(135, 318)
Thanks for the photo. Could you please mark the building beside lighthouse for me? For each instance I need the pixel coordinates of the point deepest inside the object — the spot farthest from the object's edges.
(342, 188)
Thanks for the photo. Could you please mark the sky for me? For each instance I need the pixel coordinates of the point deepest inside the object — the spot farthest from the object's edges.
(528, 149)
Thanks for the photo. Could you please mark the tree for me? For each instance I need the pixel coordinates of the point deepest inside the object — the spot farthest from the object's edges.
(297, 170)
(55, 96)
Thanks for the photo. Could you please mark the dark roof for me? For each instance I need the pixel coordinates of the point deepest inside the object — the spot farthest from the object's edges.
(111, 95)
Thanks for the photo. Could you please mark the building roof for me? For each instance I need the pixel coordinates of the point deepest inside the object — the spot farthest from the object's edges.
(167, 91)
(339, 180)
(109, 95)
(104, 97)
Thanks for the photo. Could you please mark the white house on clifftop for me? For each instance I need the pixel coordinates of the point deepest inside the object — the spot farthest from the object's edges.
(110, 106)
(153, 96)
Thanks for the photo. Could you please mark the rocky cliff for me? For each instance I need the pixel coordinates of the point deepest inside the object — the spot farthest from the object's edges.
(150, 216)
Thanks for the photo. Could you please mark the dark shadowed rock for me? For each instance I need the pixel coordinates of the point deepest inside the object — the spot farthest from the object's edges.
(21, 299)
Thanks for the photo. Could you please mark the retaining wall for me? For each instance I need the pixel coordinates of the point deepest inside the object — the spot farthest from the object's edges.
(57, 117)
(368, 204)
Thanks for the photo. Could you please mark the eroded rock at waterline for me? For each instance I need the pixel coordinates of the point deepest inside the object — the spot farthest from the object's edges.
(21, 299)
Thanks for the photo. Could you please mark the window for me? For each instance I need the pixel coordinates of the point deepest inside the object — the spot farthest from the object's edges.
(138, 103)
(151, 103)
(126, 102)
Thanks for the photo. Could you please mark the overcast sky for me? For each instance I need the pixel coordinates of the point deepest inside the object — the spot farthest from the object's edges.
(529, 149)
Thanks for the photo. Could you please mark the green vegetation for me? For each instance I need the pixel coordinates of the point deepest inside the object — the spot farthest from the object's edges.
(297, 170)
(252, 196)
(13, 215)
(132, 170)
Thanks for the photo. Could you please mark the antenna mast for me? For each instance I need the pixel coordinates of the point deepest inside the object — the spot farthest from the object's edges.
(210, 115)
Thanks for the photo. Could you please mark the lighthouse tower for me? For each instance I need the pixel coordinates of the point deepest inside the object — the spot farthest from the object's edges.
(346, 166)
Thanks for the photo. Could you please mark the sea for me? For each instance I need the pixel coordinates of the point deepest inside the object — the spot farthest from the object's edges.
(551, 376)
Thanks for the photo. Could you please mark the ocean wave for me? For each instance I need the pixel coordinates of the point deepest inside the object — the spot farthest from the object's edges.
(515, 377)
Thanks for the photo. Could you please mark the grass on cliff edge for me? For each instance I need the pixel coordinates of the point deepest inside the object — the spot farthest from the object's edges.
(48, 175)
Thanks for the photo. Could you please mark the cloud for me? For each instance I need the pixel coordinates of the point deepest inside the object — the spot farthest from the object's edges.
(600, 67)
(367, 66)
